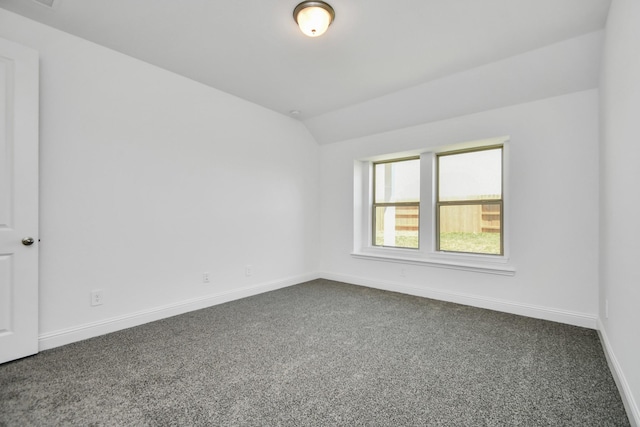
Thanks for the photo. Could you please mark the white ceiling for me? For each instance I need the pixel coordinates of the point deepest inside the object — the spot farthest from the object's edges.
(253, 49)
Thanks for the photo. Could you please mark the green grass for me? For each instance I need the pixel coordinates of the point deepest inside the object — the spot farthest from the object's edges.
(404, 239)
(482, 243)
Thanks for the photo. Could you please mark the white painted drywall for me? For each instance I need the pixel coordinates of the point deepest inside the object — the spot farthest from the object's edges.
(565, 67)
(620, 194)
(553, 203)
(149, 179)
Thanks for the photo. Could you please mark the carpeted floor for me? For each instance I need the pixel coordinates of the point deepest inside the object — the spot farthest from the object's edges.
(322, 353)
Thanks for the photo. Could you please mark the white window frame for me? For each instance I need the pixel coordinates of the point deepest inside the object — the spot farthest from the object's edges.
(395, 204)
(427, 254)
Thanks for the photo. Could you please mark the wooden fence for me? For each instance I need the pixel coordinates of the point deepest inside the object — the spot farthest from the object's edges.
(453, 218)
(470, 218)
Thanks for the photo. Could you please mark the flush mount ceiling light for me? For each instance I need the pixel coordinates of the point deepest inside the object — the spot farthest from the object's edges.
(313, 17)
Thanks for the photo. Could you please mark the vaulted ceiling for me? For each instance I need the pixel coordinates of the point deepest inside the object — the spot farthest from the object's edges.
(254, 50)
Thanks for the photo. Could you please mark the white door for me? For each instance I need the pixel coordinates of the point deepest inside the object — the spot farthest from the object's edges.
(18, 201)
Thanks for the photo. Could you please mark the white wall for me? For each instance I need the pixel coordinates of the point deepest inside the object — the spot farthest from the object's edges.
(149, 179)
(554, 210)
(620, 197)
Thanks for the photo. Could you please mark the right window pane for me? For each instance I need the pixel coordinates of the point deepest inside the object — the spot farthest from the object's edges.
(474, 228)
(469, 204)
(472, 175)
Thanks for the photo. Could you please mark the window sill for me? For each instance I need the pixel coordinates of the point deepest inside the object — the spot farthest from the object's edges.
(465, 262)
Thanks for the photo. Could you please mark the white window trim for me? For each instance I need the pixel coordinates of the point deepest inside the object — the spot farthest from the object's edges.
(427, 255)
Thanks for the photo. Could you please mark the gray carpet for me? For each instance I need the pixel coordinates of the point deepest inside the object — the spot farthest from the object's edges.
(322, 353)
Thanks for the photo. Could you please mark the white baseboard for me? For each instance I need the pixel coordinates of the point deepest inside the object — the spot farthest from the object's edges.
(545, 313)
(89, 330)
(621, 381)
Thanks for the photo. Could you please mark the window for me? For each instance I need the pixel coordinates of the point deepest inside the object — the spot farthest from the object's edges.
(445, 207)
(469, 201)
(396, 203)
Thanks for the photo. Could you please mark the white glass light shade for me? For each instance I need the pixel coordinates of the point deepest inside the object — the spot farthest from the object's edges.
(313, 17)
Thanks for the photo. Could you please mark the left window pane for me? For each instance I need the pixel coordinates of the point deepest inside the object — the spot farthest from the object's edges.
(396, 205)
(397, 182)
(397, 226)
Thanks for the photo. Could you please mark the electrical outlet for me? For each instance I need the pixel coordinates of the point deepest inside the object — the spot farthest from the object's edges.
(97, 297)
(248, 270)
(403, 273)
(206, 277)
